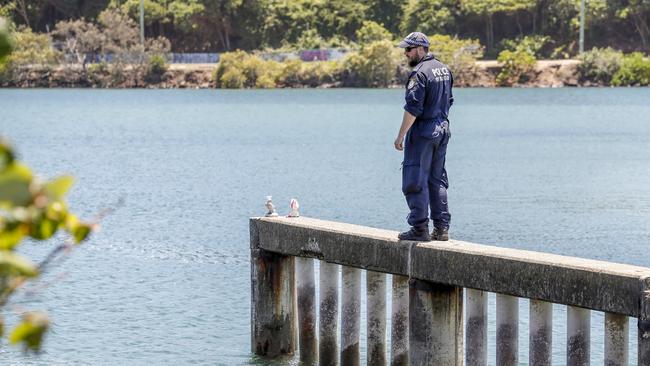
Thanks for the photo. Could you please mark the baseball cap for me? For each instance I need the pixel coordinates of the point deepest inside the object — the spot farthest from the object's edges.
(414, 39)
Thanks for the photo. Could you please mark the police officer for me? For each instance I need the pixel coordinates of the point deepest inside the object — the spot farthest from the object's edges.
(425, 126)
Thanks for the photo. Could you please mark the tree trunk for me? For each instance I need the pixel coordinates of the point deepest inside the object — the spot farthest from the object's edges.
(489, 32)
(23, 12)
(642, 28)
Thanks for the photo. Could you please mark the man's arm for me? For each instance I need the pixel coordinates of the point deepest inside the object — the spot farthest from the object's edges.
(407, 122)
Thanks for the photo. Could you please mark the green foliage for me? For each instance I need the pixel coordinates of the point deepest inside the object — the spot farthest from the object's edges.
(5, 41)
(309, 40)
(372, 31)
(30, 331)
(241, 70)
(157, 66)
(634, 71)
(35, 209)
(180, 13)
(295, 73)
(427, 16)
(516, 66)
(459, 54)
(531, 44)
(599, 65)
(78, 38)
(29, 48)
(375, 65)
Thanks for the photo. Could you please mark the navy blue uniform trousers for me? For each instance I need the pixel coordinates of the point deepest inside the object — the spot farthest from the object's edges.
(424, 178)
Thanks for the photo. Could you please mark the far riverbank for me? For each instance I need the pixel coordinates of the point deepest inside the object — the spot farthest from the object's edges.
(546, 74)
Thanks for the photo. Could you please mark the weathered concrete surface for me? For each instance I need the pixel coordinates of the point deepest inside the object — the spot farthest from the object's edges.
(273, 327)
(350, 316)
(540, 337)
(399, 346)
(578, 336)
(617, 337)
(435, 324)
(597, 285)
(476, 328)
(306, 288)
(507, 330)
(328, 326)
(643, 327)
(376, 318)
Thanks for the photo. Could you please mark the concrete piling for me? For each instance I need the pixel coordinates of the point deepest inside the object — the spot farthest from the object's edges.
(540, 337)
(616, 339)
(476, 328)
(350, 316)
(643, 327)
(507, 330)
(376, 318)
(306, 288)
(426, 325)
(578, 334)
(399, 346)
(272, 304)
(328, 350)
(435, 324)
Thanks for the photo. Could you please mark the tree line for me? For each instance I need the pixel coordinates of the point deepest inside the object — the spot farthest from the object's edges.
(224, 25)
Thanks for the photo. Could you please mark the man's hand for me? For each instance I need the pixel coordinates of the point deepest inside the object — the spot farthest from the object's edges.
(407, 122)
(399, 143)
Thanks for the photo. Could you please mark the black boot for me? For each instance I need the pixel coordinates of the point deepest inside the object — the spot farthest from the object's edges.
(440, 234)
(420, 233)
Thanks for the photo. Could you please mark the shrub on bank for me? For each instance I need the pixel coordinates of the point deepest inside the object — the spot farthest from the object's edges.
(30, 49)
(518, 61)
(375, 65)
(156, 67)
(599, 65)
(239, 69)
(459, 54)
(296, 73)
(634, 71)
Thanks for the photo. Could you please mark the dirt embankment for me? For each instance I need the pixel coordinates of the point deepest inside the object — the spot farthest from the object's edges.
(547, 74)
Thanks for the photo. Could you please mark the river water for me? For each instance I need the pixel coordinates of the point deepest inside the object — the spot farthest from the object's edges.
(166, 280)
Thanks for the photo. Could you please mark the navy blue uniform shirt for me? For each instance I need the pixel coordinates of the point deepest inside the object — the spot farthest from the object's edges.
(428, 91)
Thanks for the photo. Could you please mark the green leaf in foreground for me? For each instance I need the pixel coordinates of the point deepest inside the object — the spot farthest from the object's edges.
(81, 232)
(14, 265)
(6, 155)
(10, 235)
(43, 229)
(14, 185)
(57, 188)
(30, 331)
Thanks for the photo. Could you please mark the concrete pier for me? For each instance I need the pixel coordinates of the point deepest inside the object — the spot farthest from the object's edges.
(578, 336)
(617, 338)
(350, 316)
(476, 328)
(540, 337)
(306, 288)
(643, 327)
(399, 347)
(437, 267)
(273, 326)
(376, 318)
(435, 324)
(328, 327)
(507, 330)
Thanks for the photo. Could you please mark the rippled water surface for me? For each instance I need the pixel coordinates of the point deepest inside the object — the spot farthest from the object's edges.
(166, 281)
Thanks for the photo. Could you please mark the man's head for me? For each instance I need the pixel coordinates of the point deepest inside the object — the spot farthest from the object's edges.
(416, 46)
